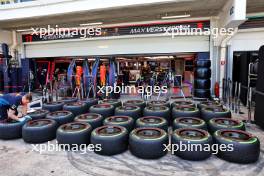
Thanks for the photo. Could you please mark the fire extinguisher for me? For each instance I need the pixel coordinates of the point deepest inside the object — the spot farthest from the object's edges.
(216, 89)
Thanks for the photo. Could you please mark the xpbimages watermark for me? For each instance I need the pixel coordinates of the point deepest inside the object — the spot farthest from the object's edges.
(56, 147)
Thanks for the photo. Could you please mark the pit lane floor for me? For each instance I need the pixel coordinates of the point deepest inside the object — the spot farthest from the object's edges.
(18, 159)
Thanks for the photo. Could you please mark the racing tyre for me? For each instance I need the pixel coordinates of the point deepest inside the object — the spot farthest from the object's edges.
(202, 73)
(39, 131)
(189, 122)
(61, 117)
(159, 103)
(95, 120)
(69, 99)
(114, 102)
(89, 102)
(225, 123)
(209, 104)
(113, 139)
(192, 136)
(75, 134)
(202, 84)
(246, 147)
(76, 108)
(152, 122)
(209, 113)
(159, 111)
(182, 103)
(132, 111)
(203, 63)
(185, 111)
(38, 114)
(53, 106)
(10, 129)
(148, 143)
(202, 93)
(124, 121)
(106, 110)
(139, 103)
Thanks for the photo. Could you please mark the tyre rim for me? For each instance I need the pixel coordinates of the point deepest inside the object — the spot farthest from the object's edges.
(157, 108)
(102, 106)
(39, 123)
(110, 101)
(151, 120)
(39, 111)
(183, 103)
(190, 121)
(74, 127)
(75, 104)
(195, 134)
(150, 133)
(88, 116)
(128, 108)
(226, 122)
(59, 113)
(210, 104)
(186, 108)
(159, 102)
(118, 119)
(236, 135)
(109, 130)
(215, 109)
(134, 102)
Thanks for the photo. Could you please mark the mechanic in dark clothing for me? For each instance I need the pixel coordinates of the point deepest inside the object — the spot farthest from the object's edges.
(9, 104)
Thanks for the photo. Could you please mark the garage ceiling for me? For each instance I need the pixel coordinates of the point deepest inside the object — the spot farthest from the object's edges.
(197, 8)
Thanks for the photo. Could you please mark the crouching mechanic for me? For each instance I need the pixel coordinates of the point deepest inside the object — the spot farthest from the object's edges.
(9, 106)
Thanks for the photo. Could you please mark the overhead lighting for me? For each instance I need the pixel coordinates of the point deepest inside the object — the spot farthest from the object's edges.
(176, 16)
(23, 30)
(91, 24)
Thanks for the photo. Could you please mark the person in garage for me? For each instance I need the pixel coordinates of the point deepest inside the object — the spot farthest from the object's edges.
(9, 105)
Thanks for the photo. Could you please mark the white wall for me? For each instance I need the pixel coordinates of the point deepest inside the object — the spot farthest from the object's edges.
(140, 45)
(5, 37)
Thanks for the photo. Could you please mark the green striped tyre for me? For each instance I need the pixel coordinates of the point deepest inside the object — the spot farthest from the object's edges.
(76, 108)
(106, 110)
(153, 122)
(112, 139)
(185, 111)
(132, 111)
(89, 102)
(75, 134)
(189, 122)
(139, 103)
(242, 147)
(124, 121)
(209, 104)
(225, 123)
(95, 120)
(159, 103)
(38, 114)
(159, 111)
(148, 143)
(114, 102)
(182, 103)
(61, 117)
(209, 113)
(199, 141)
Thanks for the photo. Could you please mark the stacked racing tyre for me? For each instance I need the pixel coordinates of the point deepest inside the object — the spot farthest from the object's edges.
(202, 78)
(152, 122)
(148, 143)
(225, 123)
(10, 129)
(106, 110)
(76, 108)
(38, 114)
(209, 113)
(39, 131)
(61, 117)
(112, 139)
(124, 121)
(53, 106)
(75, 134)
(242, 148)
(182, 103)
(159, 103)
(93, 119)
(185, 111)
(132, 111)
(192, 137)
(114, 102)
(189, 122)
(159, 111)
(209, 104)
(139, 103)
(89, 102)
